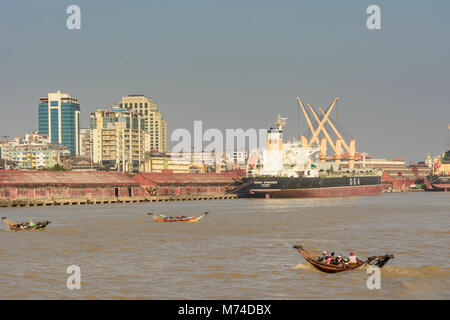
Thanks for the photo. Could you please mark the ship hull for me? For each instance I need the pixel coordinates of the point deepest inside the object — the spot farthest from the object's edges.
(276, 187)
(325, 192)
(437, 183)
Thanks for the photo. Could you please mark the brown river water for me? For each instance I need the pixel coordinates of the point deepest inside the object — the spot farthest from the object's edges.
(241, 250)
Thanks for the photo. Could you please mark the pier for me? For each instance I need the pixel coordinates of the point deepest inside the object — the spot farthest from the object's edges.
(67, 202)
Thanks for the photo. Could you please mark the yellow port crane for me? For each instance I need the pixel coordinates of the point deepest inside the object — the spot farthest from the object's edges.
(322, 143)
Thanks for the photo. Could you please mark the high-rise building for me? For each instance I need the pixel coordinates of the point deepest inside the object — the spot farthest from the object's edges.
(118, 139)
(155, 125)
(59, 118)
(86, 142)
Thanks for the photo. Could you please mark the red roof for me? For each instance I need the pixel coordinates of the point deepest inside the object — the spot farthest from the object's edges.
(358, 156)
(64, 178)
(169, 178)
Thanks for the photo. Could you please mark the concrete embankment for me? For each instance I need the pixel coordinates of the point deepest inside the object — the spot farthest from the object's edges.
(390, 190)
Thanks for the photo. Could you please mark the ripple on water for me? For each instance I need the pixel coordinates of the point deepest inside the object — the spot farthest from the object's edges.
(242, 250)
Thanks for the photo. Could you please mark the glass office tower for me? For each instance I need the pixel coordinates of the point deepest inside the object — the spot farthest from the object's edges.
(59, 118)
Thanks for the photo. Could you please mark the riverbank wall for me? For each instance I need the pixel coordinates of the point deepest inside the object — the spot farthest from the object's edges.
(42, 188)
(74, 201)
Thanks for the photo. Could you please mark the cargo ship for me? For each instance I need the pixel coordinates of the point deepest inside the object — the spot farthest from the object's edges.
(439, 180)
(294, 169)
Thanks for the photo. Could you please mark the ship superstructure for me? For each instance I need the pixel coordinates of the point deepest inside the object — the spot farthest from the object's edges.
(284, 159)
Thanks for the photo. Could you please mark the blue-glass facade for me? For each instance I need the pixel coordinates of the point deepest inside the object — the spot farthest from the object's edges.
(54, 123)
(64, 118)
(68, 125)
(43, 118)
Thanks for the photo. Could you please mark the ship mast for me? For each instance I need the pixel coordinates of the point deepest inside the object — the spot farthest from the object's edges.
(280, 122)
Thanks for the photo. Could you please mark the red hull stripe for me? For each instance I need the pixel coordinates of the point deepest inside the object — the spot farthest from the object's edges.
(323, 192)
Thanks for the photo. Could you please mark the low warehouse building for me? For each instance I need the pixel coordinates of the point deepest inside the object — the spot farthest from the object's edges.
(169, 183)
(57, 185)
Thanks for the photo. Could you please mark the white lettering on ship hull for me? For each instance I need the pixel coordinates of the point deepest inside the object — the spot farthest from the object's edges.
(265, 182)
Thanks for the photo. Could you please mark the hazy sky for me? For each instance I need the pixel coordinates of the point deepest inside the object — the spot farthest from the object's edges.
(237, 64)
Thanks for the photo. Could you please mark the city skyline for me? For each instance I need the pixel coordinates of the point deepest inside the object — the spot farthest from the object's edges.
(248, 65)
(231, 154)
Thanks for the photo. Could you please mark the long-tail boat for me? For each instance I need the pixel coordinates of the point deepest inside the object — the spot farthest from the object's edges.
(311, 257)
(20, 226)
(163, 218)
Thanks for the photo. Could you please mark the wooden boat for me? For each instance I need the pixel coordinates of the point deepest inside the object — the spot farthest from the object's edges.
(162, 218)
(17, 226)
(309, 256)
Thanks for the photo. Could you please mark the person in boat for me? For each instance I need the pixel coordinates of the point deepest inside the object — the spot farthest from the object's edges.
(29, 225)
(330, 259)
(338, 261)
(352, 259)
(40, 224)
(323, 257)
(163, 217)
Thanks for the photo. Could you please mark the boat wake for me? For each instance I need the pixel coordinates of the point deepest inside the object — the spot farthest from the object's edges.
(429, 271)
(304, 266)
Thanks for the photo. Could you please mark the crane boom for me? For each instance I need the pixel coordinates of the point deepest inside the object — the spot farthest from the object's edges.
(321, 123)
(308, 120)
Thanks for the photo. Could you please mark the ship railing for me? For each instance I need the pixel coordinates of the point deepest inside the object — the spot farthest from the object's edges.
(347, 174)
